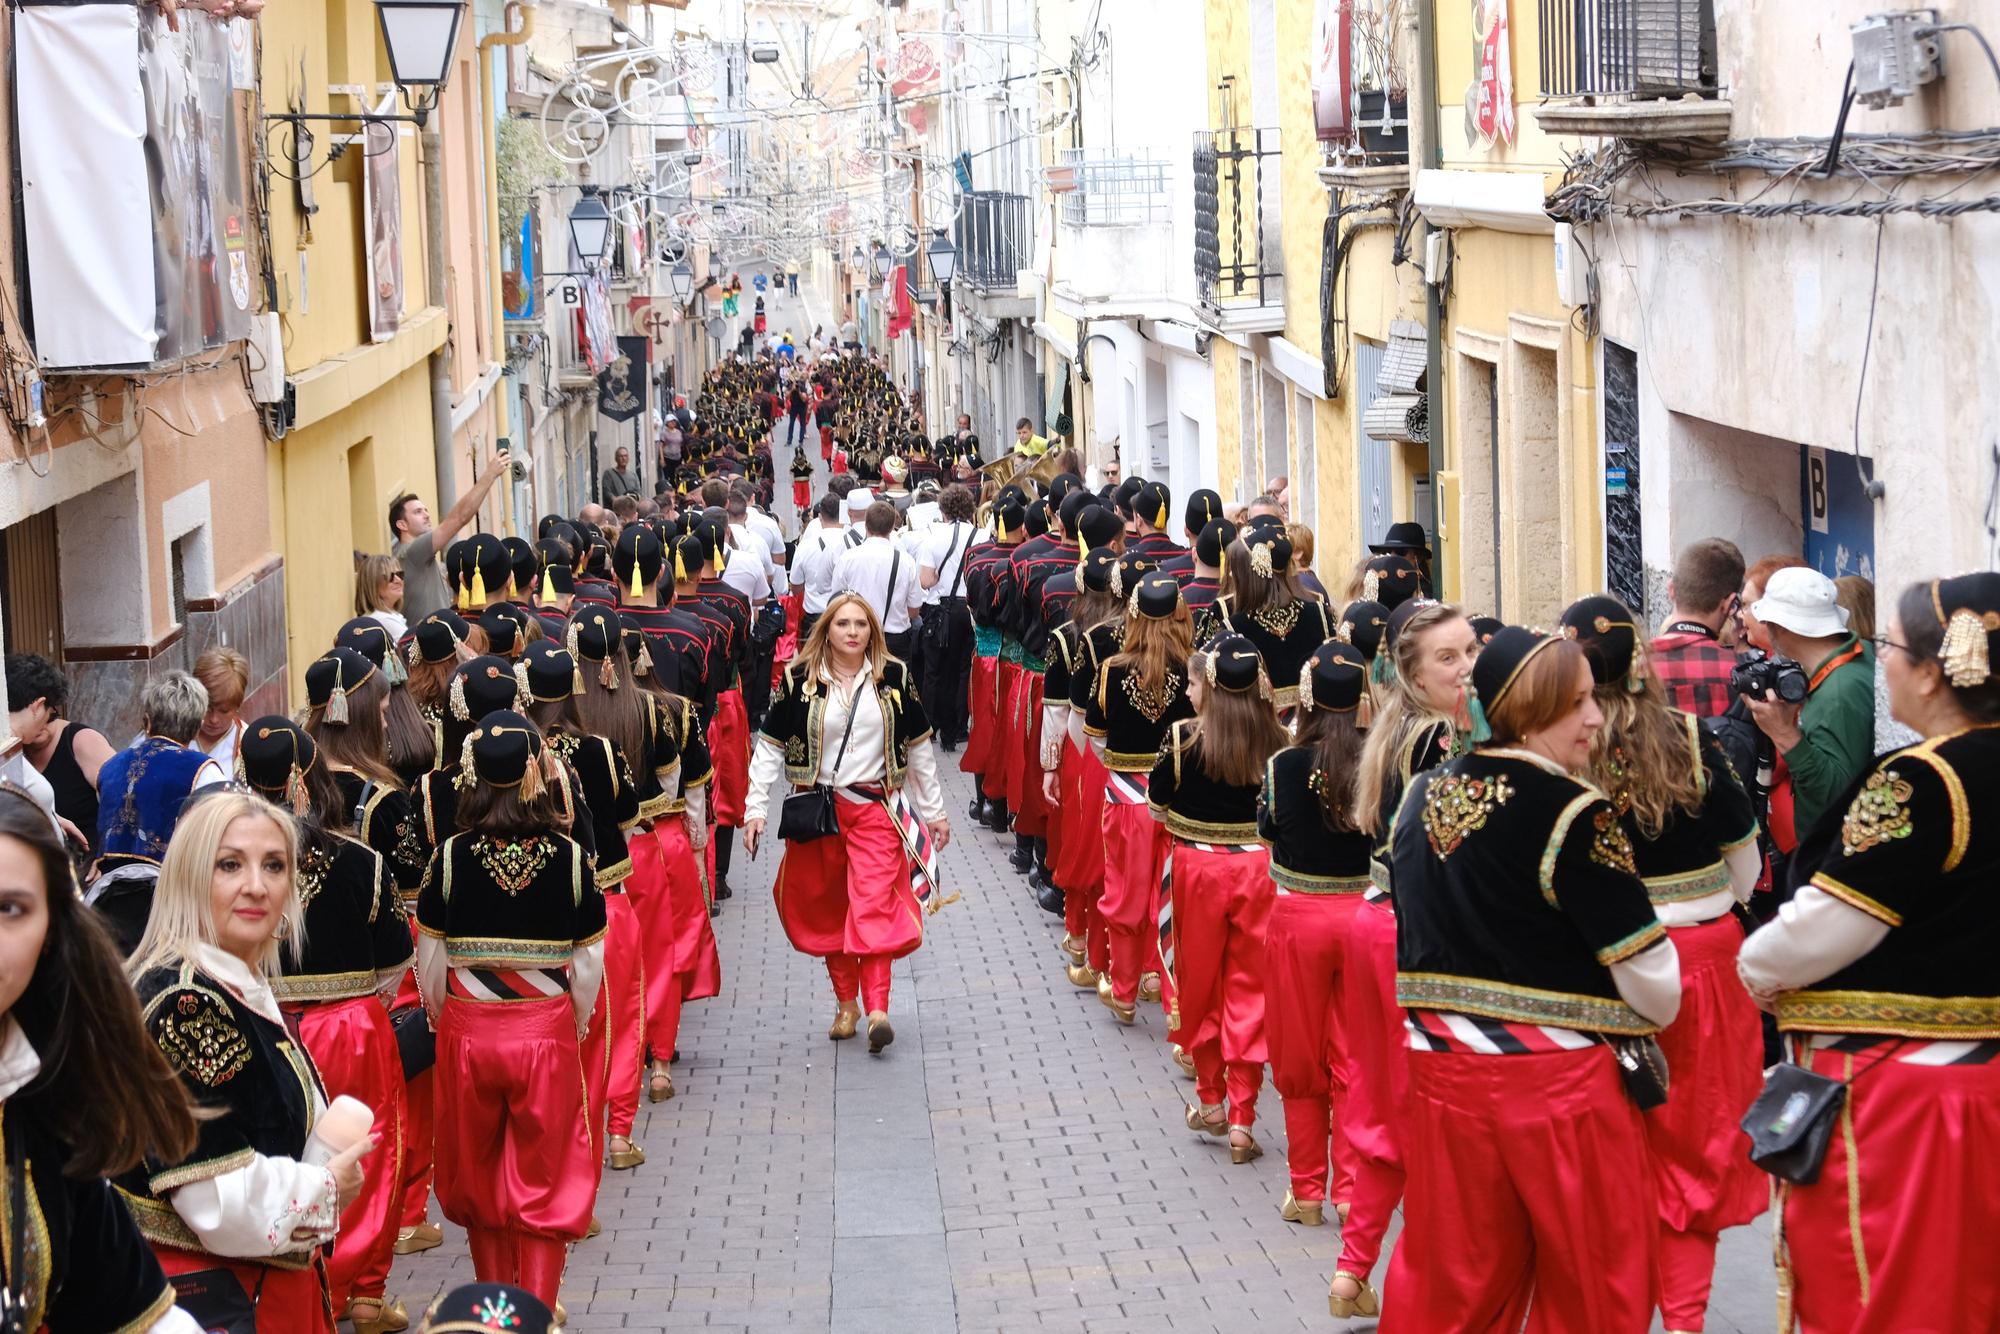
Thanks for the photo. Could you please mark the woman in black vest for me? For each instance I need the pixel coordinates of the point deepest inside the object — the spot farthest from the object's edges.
(1881, 973)
(1526, 945)
(1266, 604)
(849, 719)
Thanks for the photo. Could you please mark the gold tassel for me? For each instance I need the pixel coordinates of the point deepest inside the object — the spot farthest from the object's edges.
(464, 599)
(521, 686)
(1081, 550)
(336, 703)
(478, 585)
(1221, 564)
(295, 791)
(548, 588)
(721, 558)
(576, 684)
(466, 772)
(1364, 712)
(459, 709)
(644, 666)
(607, 674)
(638, 589)
(680, 566)
(1966, 652)
(1161, 522)
(531, 777)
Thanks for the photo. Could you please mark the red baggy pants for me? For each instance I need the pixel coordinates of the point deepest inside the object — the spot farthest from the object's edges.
(847, 899)
(1305, 952)
(1135, 850)
(1378, 1086)
(613, 1050)
(1222, 908)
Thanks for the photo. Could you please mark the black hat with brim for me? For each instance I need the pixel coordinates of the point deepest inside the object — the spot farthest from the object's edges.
(1403, 537)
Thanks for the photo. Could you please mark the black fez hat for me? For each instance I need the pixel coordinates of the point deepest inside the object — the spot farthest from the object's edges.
(1072, 505)
(1334, 678)
(481, 686)
(1364, 624)
(526, 564)
(503, 624)
(558, 578)
(1204, 507)
(1391, 581)
(1060, 487)
(1011, 517)
(1499, 664)
(503, 749)
(547, 672)
(1100, 572)
(454, 563)
(1402, 537)
(639, 551)
(1212, 540)
(1968, 610)
(1610, 639)
(1485, 627)
(332, 678)
(546, 526)
(1155, 504)
(1269, 551)
(1156, 596)
(1100, 526)
(487, 566)
(596, 636)
(368, 637)
(1013, 492)
(1038, 518)
(1400, 617)
(1126, 494)
(1263, 523)
(689, 553)
(1234, 664)
(636, 648)
(714, 534)
(438, 635)
(483, 1308)
(274, 753)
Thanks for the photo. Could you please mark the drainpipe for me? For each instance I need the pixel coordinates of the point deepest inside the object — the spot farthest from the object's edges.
(435, 294)
(520, 20)
(1430, 155)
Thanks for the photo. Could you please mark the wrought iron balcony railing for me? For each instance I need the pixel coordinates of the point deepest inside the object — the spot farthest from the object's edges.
(1237, 255)
(995, 235)
(1628, 48)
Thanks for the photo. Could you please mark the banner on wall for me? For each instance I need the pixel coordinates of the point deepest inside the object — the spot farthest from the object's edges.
(520, 294)
(382, 188)
(1489, 103)
(1333, 65)
(622, 385)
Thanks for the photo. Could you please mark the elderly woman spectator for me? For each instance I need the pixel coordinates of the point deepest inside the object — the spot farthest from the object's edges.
(141, 791)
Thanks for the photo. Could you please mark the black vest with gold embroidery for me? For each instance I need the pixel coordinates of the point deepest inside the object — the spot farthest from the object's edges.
(1065, 642)
(234, 1061)
(380, 815)
(1423, 747)
(609, 799)
(1094, 647)
(1919, 852)
(1193, 804)
(1132, 718)
(1515, 892)
(511, 902)
(796, 722)
(1686, 860)
(1284, 638)
(677, 757)
(1307, 855)
(356, 927)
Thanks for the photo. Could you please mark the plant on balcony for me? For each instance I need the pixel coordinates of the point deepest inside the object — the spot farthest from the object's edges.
(1379, 75)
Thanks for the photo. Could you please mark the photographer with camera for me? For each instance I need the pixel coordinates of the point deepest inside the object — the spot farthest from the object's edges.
(1809, 684)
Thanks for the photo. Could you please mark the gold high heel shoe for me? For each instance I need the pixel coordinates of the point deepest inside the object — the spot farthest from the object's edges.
(845, 1020)
(1365, 1301)
(423, 1237)
(1122, 1012)
(1248, 1152)
(388, 1317)
(561, 1315)
(1306, 1213)
(1185, 1060)
(1149, 987)
(595, 1229)
(659, 1083)
(1199, 1120)
(1082, 976)
(1074, 949)
(1104, 986)
(626, 1158)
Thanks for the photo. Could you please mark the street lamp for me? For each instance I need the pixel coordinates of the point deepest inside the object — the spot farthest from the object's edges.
(682, 278)
(590, 227)
(860, 260)
(943, 256)
(881, 262)
(420, 36)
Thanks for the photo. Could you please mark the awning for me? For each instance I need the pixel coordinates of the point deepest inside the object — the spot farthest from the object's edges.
(1397, 417)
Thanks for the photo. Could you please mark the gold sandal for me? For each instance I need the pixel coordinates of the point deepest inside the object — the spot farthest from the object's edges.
(1072, 947)
(1366, 1301)
(1306, 1213)
(1200, 1120)
(626, 1158)
(659, 1084)
(1082, 976)
(388, 1317)
(1247, 1152)
(1185, 1060)
(1149, 987)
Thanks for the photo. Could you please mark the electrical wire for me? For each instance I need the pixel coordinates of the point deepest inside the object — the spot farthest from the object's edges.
(1872, 488)
(1976, 36)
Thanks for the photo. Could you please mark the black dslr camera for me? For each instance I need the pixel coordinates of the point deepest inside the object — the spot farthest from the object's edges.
(1759, 672)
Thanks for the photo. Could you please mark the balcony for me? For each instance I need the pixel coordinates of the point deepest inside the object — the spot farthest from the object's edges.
(995, 235)
(1630, 69)
(1098, 190)
(1238, 263)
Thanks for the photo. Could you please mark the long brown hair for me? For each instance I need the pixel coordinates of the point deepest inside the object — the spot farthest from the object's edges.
(1401, 712)
(1234, 733)
(488, 808)
(104, 1086)
(1641, 756)
(1250, 591)
(1153, 646)
(1336, 740)
(1093, 608)
(412, 742)
(362, 742)
(814, 653)
(1543, 692)
(616, 713)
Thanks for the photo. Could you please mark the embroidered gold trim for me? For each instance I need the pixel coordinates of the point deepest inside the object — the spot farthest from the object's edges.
(1455, 807)
(182, 1173)
(1621, 950)
(1610, 846)
(159, 1224)
(1854, 898)
(1152, 704)
(1299, 882)
(1961, 820)
(1891, 1014)
(499, 952)
(513, 863)
(1280, 621)
(323, 986)
(202, 1041)
(1129, 761)
(153, 1314)
(615, 874)
(1557, 837)
(1880, 813)
(1202, 831)
(1528, 1005)
(1684, 886)
(310, 877)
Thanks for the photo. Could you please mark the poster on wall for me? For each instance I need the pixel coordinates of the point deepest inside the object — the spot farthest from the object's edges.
(520, 294)
(1332, 66)
(382, 189)
(1489, 102)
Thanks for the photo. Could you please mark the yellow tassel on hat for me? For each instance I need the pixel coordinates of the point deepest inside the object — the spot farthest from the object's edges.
(680, 566)
(548, 588)
(1082, 551)
(478, 584)
(1161, 522)
(721, 558)
(638, 587)
(464, 599)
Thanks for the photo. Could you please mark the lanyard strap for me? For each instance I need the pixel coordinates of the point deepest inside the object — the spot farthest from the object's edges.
(1828, 667)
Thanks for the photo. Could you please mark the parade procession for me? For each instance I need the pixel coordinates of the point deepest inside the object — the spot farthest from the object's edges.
(986, 665)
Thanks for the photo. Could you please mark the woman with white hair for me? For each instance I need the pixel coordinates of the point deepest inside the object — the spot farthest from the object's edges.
(250, 1199)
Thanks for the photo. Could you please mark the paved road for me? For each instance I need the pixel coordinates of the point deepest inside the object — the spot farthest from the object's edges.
(1015, 1161)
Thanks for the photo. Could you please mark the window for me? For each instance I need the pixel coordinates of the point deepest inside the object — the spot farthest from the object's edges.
(1247, 479)
(1305, 472)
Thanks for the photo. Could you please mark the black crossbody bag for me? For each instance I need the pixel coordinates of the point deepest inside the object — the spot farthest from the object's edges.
(1791, 1122)
(936, 630)
(810, 814)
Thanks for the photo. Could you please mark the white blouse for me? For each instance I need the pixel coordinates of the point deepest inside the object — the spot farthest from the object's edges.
(252, 1212)
(866, 760)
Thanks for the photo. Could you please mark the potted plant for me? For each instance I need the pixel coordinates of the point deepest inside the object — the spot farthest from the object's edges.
(1383, 96)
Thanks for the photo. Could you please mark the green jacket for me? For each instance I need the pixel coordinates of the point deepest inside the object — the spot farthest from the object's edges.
(1836, 734)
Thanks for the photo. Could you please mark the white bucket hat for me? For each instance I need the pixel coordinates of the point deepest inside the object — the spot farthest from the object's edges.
(1803, 602)
(859, 499)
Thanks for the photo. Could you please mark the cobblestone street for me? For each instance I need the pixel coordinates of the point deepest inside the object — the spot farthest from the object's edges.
(1015, 1161)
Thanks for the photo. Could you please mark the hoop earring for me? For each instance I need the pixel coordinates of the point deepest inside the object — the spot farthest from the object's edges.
(284, 931)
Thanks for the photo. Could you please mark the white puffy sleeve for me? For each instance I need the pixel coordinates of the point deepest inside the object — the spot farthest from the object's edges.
(253, 1211)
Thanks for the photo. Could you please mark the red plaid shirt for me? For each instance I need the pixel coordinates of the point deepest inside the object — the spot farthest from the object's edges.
(1694, 668)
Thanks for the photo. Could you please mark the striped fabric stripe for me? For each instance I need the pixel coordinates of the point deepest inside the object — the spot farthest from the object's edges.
(1910, 1052)
(1125, 789)
(505, 984)
(1441, 1030)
